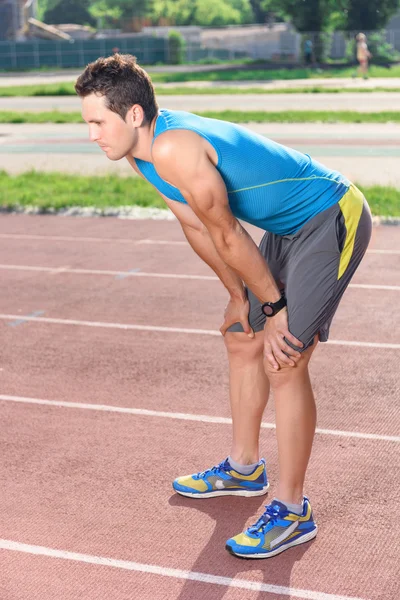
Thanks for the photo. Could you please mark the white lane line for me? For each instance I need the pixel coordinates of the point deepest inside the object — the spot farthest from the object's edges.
(65, 238)
(373, 251)
(132, 273)
(363, 344)
(59, 270)
(182, 416)
(113, 325)
(128, 326)
(107, 272)
(23, 319)
(128, 565)
(164, 242)
(366, 286)
(184, 243)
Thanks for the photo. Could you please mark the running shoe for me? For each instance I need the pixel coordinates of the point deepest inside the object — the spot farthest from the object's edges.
(275, 531)
(223, 480)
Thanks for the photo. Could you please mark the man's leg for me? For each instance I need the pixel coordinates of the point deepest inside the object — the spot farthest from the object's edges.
(243, 474)
(250, 380)
(249, 385)
(288, 519)
(295, 417)
(249, 390)
(322, 258)
(329, 250)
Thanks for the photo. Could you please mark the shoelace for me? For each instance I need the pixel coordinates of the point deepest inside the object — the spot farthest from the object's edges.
(222, 465)
(271, 514)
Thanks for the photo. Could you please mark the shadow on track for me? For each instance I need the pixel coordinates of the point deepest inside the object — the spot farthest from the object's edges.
(230, 515)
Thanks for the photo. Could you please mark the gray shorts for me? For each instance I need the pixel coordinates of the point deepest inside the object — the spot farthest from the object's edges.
(315, 265)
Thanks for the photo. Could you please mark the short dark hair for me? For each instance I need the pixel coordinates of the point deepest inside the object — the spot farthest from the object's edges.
(123, 83)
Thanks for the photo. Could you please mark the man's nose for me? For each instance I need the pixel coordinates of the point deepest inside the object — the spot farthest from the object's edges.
(93, 135)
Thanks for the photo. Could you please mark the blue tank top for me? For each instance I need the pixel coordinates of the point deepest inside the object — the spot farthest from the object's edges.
(269, 185)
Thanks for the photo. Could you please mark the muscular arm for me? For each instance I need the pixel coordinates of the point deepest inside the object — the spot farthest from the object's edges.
(201, 242)
(181, 158)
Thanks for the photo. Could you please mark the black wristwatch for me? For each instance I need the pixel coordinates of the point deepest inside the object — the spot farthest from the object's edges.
(270, 309)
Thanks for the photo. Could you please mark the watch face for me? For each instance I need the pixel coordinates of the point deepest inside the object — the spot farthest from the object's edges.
(268, 310)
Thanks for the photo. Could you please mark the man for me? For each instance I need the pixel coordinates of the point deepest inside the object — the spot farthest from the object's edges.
(283, 294)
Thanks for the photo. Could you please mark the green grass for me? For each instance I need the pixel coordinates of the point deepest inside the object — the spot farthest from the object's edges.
(63, 90)
(304, 116)
(48, 89)
(227, 115)
(67, 89)
(203, 61)
(57, 191)
(201, 91)
(272, 74)
(383, 200)
(53, 116)
(289, 116)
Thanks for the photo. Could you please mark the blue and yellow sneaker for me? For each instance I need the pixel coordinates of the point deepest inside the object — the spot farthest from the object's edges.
(276, 531)
(223, 480)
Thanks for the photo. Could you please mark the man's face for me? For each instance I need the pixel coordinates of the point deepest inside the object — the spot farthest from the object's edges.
(115, 137)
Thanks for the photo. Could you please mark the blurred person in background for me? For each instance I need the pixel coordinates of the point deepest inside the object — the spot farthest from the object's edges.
(308, 52)
(363, 55)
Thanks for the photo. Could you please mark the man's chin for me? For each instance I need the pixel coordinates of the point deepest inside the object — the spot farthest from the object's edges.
(112, 156)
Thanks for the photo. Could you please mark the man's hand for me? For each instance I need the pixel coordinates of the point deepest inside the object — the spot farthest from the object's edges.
(237, 311)
(275, 347)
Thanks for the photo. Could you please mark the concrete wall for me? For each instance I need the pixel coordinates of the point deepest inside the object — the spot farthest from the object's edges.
(13, 17)
(10, 19)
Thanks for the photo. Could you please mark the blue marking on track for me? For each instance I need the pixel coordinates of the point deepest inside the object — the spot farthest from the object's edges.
(23, 320)
(124, 275)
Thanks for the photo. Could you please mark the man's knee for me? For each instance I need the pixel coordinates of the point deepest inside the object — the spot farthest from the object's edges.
(241, 346)
(286, 374)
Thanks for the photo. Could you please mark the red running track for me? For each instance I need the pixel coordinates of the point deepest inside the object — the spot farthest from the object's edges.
(97, 483)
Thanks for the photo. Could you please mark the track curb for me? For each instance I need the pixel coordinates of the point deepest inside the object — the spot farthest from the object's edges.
(131, 212)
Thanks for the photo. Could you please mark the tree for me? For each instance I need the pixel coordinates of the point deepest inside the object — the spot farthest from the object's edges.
(104, 14)
(369, 15)
(260, 11)
(220, 12)
(120, 9)
(178, 12)
(176, 48)
(71, 11)
(202, 12)
(86, 11)
(319, 15)
(306, 15)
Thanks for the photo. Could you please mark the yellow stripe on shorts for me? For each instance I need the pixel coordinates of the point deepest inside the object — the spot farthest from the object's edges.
(351, 206)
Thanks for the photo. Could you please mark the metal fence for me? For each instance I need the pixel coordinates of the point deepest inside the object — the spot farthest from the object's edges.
(61, 54)
(42, 53)
(279, 45)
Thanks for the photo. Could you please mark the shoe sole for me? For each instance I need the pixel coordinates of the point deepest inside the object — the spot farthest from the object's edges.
(243, 493)
(306, 538)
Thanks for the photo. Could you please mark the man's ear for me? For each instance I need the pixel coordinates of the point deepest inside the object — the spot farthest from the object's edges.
(135, 116)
